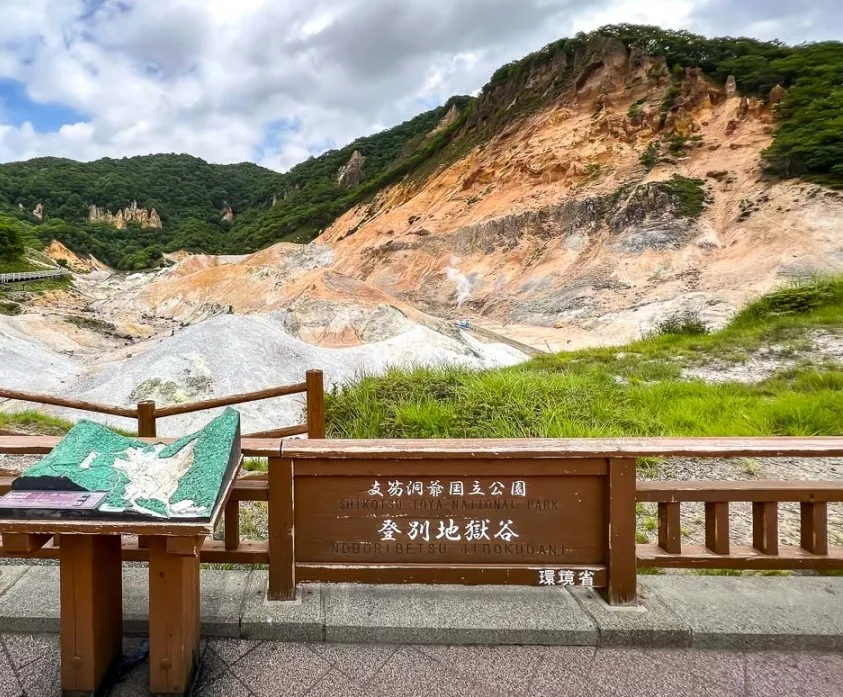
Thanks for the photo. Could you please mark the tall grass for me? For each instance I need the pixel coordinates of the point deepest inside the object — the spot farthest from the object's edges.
(634, 391)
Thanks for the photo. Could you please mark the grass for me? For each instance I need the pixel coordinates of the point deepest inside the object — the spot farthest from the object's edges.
(36, 423)
(636, 390)
(18, 266)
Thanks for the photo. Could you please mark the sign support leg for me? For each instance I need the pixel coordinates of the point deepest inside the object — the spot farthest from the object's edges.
(91, 591)
(174, 623)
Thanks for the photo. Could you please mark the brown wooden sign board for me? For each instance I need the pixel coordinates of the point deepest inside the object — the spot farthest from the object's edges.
(528, 524)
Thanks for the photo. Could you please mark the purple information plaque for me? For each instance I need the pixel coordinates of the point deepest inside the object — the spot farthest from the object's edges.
(57, 500)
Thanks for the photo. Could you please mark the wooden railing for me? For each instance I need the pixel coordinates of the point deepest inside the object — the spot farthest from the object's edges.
(30, 275)
(315, 470)
(147, 413)
(766, 552)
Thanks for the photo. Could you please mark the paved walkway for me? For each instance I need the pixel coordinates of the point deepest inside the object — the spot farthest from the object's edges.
(29, 667)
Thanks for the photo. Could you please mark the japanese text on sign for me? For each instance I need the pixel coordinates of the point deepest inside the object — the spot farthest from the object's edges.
(453, 532)
(438, 488)
(565, 577)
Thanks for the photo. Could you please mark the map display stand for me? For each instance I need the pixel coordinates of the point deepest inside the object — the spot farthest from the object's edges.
(96, 486)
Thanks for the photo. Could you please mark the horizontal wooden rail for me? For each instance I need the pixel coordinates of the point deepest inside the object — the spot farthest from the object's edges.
(146, 412)
(298, 430)
(69, 403)
(569, 447)
(231, 399)
(41, 445)
(740, 557)
(730, 491)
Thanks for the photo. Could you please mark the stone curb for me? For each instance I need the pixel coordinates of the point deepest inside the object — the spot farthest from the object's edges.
(714, 612)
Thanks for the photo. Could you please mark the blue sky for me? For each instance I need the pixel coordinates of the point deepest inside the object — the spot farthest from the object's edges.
(276, 81)
(16, 107)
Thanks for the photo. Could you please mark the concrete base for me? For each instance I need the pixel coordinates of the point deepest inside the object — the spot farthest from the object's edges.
(714, 612)
(755, 612)
(415, 614)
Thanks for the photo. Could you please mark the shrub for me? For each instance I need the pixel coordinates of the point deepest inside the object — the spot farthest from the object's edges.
(689, 195)
(9, 308)
(684, 323)
(636, 109)
(650, 157)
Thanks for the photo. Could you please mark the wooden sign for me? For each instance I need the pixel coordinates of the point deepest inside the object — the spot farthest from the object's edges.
(546, 528)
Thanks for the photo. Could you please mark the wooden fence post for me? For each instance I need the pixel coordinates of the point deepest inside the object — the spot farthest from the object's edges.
(146, 419)
(315, 404)
(282, 539)
(146, 429)
(620, 525)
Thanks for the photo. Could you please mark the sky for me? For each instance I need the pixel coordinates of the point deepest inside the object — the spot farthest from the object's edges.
(277, 81)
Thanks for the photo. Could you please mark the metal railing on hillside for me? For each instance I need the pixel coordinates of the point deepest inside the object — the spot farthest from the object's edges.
(30, 275)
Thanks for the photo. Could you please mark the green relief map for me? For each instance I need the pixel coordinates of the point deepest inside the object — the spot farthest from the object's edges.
(180, 480)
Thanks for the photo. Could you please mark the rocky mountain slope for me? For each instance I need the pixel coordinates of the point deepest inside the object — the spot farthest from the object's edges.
(626, 191)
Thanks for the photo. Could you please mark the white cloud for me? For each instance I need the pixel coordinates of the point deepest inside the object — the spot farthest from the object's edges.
(215, 77)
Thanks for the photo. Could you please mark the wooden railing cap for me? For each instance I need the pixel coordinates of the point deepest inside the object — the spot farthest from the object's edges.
(831, 446)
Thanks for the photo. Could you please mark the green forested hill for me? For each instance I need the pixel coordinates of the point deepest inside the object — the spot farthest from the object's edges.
(189, 193)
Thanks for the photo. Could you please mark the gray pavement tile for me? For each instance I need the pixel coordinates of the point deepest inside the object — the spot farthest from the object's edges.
(227, 685)
(231, 650)
(9, 684)
(41, 678)
(508, 669)
(747, 613)
(454, 615)
(409, 673)
(31, 605)
(651, 623)
(632, 673)
(298, 620)
(575, 659)
(556, 682)
(712, 673)
(223, 594)
(794, 675)
(358, 662)
(564, 671)
(26, 648)
(335, 684)
(134, 684)
(211, 667)
(274, 669)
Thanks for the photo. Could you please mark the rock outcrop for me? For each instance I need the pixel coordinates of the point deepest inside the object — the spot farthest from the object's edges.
(731, 87)
(777, 94)
(227, 214)
(38, 211)
(351, 174)
(130, 214)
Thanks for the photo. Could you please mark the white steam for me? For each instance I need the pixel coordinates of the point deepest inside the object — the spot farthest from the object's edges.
(463, 283)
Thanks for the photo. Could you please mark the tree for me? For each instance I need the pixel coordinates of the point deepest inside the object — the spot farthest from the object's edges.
(11, 245)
